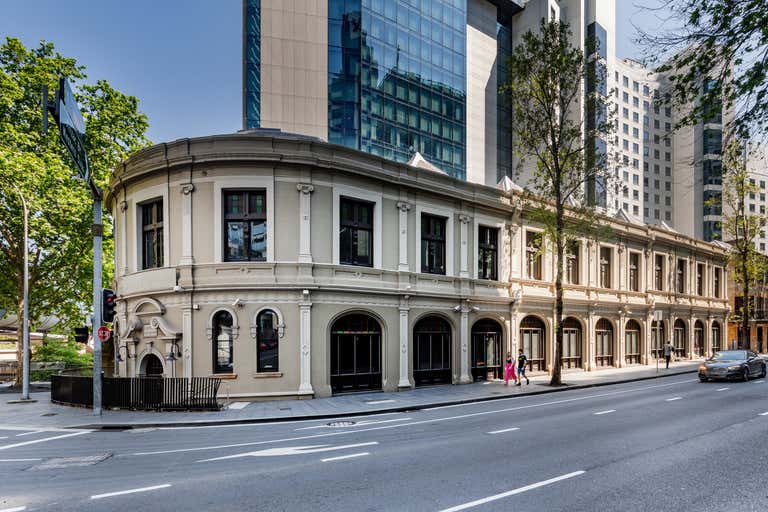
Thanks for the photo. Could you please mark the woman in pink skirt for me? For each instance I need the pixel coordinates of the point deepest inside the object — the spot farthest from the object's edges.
(509, 370)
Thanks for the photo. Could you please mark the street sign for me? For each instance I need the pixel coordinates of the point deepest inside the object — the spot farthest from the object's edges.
(103, 333)
(72, 127)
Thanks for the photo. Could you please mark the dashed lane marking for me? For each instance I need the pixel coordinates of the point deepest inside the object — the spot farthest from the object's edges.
(30, 433)
(18, 460)
(605, 412)
(14, 509)
(129, 491)
(342, 457)
(723, 389)
(512, 429)
(674, 398)
(44, 440)
(763, 414)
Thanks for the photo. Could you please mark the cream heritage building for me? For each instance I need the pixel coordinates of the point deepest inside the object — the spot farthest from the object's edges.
(293, 267)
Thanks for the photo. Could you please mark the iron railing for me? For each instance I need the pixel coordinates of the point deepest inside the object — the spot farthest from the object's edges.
(140, 393)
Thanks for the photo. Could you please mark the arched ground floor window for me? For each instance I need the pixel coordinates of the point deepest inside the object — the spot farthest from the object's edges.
(632, 345)
(432, 351)
(355, 353)
(533, 342)
(487, 354)
(571, 343)
(604, 343)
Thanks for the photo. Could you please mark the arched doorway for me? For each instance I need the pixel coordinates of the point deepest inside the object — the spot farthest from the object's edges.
(680, 339)
(151, 366)
(432, 351)
(355, 353)
(532, 336)
(698, 339)
(571, 343)
(486, 350)
(716, 341)
(632, 342)
(657, 338)
(604, 343)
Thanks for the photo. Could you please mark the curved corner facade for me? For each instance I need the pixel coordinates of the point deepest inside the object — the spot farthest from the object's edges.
(296, 268)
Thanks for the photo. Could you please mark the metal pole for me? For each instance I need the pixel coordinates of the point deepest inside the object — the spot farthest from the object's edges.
(97, 231)
(25, 346)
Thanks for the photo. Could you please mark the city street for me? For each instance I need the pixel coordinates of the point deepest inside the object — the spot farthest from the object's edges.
(674, 444)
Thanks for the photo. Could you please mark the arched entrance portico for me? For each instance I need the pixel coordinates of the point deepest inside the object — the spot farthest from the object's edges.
(657, 338)
(355, 353)
(532, 341)
(151, 366)
(432, 351)
(716, 337)
(571, 343)
(604, 343)
(698, 339)
(680, 339)
(486, 350)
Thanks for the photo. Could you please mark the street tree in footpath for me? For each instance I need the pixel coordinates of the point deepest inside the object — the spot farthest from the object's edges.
(38, 166)
(724, 41)
(559, 143)
(741, 228)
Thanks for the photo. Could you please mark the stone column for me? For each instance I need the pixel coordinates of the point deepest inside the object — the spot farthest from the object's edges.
(403, 208)
(621, 282)
(186, 339)
(305, 334)
(130, 350)
(464, 269)
(464, 378)
(123, 229)
(404, 382)
(691, 336)
(648, 337)
(187, 257)
(620, 343)
(708, 337)
(305, 233)
(590, 360)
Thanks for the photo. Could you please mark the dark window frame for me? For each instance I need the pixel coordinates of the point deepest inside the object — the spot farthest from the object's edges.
(356, 225)
(247, 219)
(634, 272)
(606, 267)
(488, 253)
(219, 318)
(658, 272)
(533, 267)
(680, 275)
(267, 341)
(433, 244)
(152, 217)
(573, 263)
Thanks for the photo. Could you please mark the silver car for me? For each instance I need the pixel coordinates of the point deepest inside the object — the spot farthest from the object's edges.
(732, 364)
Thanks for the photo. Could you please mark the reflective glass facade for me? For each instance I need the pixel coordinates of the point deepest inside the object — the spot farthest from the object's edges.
(252, 64)
(504, 114)
(397, 79)
(596, 111)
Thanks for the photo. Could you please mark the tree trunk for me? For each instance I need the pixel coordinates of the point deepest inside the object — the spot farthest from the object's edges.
(558, 324)
(745, 304)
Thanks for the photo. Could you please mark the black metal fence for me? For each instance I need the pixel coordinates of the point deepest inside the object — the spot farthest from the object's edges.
(140, 393)
(7, 370)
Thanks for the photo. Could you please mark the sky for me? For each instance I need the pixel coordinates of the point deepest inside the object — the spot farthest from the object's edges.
(181, 58)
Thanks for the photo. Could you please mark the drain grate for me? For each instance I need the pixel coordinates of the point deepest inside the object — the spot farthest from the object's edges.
(341, 424)
(71, 462)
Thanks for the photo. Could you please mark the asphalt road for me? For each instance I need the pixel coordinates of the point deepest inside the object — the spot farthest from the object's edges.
(672, 444)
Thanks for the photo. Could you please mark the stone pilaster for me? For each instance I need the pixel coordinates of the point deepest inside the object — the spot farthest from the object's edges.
(403, 208)
(404, 308)
(187, 256)
(305, 219)
(305, 330)
(464, 247)
(464, 377)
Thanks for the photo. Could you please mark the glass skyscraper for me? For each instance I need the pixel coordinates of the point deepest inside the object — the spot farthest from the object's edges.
(252, 64)
(397, 79)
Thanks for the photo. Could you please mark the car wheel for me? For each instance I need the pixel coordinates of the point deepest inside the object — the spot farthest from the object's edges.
(745, 374)
(703, 378)
(762, 372)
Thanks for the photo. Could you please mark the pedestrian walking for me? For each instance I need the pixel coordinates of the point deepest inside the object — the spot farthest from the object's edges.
(509, 370)
(522, 359)
(668, 351)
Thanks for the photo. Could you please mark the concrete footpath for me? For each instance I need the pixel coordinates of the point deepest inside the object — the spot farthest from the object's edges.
(45, 415)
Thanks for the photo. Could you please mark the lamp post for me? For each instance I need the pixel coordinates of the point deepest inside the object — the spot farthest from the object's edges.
(25, 343)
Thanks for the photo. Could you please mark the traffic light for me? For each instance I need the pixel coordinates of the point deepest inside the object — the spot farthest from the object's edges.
(108, 303)
(81, 334)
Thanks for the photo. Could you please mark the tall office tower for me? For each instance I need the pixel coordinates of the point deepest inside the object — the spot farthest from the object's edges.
(390, 77)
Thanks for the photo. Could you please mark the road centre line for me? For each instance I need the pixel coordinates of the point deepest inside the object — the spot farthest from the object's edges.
(342, 457)
(399, 425)
(674, 398)
(129, 491)
(512, 429)
(605, 412)
(45, 439)
(14, 509)
(18, 460)
(763, 414)
(723, 389)
(519, 490)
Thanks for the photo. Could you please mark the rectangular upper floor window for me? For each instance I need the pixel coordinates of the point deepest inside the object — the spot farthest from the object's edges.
(356, 232)
(658, 273)
(152, 234)
(533, 255)
(681, 264)
(488, 253)
(572, 263)
(245, 225)
(700, 279)
(606, 257)
(634, 271)
(432, 244)
(716, 282)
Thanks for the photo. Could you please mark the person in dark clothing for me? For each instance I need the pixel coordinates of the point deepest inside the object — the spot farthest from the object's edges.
(668, 351)
(522, 359)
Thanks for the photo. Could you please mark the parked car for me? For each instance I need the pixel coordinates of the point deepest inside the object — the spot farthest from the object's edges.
(732, 364)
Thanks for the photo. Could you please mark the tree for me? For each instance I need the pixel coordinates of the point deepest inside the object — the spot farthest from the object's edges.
(721, 40)
(545, 83)
(60, 253)
(740, 227)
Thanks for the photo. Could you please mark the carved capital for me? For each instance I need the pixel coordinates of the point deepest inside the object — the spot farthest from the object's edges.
(305, 188)
(403, 206)
(187, 188)
(464, 219)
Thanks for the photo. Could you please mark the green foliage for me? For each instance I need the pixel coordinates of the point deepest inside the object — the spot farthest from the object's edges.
(722, 40)
(38, 166)
(61, 351)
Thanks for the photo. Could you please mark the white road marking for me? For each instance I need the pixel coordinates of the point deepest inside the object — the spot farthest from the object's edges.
(268, 424)
(236, 406)
(30, 433)
(763, 414)
(605, 412)
(512, 429)
(14, 509)
(758, 381)
(377, 402)
(41, 429)
(421, 422)
(519, 490)
(723, 389)
(342, 457)
(674, 398)
(361, 424)
(3, 437)
(18, 460)
(290, 450)
(129, 491)
(43, 440)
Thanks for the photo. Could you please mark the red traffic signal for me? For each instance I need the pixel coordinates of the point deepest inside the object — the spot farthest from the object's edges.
(108, 303)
